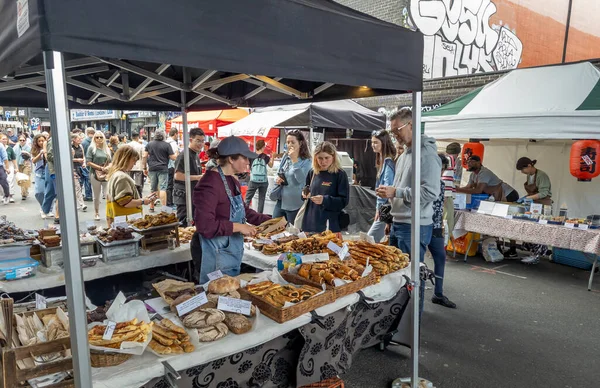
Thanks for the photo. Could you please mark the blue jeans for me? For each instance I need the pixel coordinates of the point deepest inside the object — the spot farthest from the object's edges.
(40, 183)
(377, 230)
(49, 191)
(400, 237)
(84, 180)
(438, 251)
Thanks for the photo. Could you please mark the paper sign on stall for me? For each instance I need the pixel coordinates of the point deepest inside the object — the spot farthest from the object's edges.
(543, 222)
(583, 226)
(40, 302)
(536, 208)
(234, 305)
(166, 209)
(569, 225)
(108, 332)
(486, 207)
(315, 258)
(120, 221)
(342, 252)
(191, 304)
(280, 236)
(500, 210)
(460, 202)
(365, 237)
(133, 217)
(215, 275)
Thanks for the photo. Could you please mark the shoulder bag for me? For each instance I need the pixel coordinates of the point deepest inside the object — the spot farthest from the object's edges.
(300, 216)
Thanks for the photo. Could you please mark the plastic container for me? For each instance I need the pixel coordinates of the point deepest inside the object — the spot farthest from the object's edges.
(127, 250)
(14, 252)
(572, 258)
(18, 268)
(476, 200)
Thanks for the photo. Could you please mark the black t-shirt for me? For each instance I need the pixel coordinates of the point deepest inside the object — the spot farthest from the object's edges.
(158, 155)
(263, 156)
(77, 154)
(195, 166)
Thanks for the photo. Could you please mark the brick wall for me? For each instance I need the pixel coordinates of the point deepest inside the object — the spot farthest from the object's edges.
(388, 10)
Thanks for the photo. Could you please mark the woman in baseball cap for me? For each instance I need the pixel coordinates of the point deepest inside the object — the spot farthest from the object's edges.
(537, 185)
(222, 218)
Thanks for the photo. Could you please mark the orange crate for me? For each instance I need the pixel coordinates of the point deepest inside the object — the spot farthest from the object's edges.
(335, 382)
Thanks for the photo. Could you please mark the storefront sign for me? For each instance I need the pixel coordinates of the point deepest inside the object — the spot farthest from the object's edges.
(93, 115)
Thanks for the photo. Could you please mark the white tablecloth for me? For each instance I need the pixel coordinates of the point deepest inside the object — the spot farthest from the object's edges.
(101, 270)
(139, 370)
(257, 259)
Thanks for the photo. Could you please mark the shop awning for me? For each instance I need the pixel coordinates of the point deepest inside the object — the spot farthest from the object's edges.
(230, 115)
(344, 114)
(126, 55)
(553, 102)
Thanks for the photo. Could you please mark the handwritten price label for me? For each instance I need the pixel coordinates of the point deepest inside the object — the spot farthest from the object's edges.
(234, 305)
(215, 275)
(108, 332)
(40, 302)
(191, 304)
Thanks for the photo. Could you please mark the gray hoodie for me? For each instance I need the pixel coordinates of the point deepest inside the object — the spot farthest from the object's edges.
(431, 169)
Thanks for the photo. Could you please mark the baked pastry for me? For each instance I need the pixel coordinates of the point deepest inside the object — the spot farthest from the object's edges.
(223, 285)
(212, 333)
(180, 299)
(203, 318)
(237, 323)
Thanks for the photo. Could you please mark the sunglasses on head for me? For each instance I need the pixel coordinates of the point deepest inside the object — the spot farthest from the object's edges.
(378, 132)
(399, 128)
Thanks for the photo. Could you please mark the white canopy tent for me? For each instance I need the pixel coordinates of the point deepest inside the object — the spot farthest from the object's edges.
(536, 112)
(553, 102)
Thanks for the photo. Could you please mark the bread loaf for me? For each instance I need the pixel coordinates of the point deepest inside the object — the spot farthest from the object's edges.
(203, 318)
(237, 323)
(179, 300)
(212, 333)
(223, 285)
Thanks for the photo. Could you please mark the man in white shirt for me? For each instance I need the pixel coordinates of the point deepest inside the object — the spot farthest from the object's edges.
(172, 140)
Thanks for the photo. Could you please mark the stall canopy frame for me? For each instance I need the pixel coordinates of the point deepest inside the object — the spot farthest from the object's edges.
(82, 54)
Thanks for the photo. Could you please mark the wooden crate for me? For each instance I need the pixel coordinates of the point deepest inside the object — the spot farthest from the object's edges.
(157, 238)
(334, 382)
(18, 365)
(338, 292)
(282, 315)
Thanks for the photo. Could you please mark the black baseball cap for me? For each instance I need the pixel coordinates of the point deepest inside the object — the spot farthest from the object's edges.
(475, 158)
(235, 146)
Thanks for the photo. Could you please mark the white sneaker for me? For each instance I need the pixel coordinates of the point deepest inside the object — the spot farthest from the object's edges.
(11, 200)
(6, 200)
(50, 215)
(42, 214)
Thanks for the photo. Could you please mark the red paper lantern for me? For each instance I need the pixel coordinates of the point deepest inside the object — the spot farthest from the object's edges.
(471, 149)
(584, 160)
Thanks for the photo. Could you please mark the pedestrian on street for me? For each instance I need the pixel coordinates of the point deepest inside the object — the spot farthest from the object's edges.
(258, 176)
(156, 165)
(385, 153)
(23, 153)
(113, 144)
(79, 168)
(179, 193)
(98, 159)
(4, 165)
(401, 195)
(50, 182)
(38, 151)
(137, 172)
(12, 167)
(13, 138)
(172, 140)
(85, 181)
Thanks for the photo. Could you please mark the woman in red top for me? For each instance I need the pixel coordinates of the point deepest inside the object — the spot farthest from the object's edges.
(222, 219)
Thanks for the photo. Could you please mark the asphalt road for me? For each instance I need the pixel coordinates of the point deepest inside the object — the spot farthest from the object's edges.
(515, 326)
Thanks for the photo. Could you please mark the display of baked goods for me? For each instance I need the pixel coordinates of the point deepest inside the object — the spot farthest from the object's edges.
(115, 234)
(186, 234)
(213, 333)
(223, 285)
(271, 227)
(314, 244)
(203, 318)
(131, 331)
(33, 329)
(9, 233)
(169, 338)
(237, 323)
(99, 314)
(383, 258)
(278, 294)
(170, 289)
(326, 272)
(152, 220)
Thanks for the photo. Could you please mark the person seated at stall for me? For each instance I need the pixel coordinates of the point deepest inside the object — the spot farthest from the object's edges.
(537, 185)
(484, 181)
(179, 193)
(222, 218)
(327, 191)
(122, 197)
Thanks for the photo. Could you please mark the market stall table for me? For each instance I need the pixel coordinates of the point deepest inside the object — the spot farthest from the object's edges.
(141, 370)
(584, 240)
(101, 270)
(257, 259)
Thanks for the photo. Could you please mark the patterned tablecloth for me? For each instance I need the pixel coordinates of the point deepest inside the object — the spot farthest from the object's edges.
(532, 232)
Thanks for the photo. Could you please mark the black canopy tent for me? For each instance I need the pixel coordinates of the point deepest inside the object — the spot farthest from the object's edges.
(193, 55)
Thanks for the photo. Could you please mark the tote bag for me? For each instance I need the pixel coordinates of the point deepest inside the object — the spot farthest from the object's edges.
(300, 216)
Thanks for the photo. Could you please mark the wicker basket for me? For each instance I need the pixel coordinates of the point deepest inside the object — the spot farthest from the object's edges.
(285, 314)
(104, 359)
(338, 292)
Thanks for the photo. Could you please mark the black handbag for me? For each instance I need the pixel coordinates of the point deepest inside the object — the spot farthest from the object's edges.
(344, 220)
(385, 213)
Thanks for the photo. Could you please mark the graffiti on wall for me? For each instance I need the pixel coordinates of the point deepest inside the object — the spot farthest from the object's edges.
(460, 40)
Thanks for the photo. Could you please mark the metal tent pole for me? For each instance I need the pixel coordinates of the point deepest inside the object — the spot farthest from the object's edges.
(59, 118)
(186, 150)
(415, 245)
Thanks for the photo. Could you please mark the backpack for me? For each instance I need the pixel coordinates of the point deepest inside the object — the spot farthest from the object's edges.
(258, 173)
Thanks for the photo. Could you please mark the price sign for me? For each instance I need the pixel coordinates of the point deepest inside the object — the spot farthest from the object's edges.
(264, 241)
(40, 302)
(583, 226)
(543, 222)
(302, 235)
(344, 251)
(166, 209)
(110, 328)
(215, 275)
(569, 225)
(234, 305)
(120, 219)
(509, 217)
(315, 258)
(279, 236)
(334, 247)
(191, 304)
